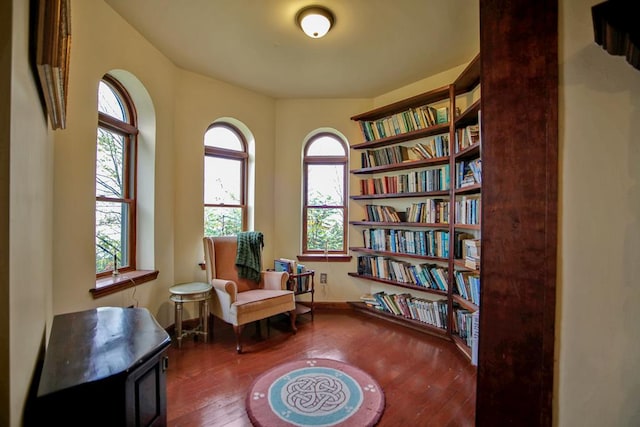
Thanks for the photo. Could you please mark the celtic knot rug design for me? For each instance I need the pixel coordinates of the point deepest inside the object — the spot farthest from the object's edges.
(315, 392)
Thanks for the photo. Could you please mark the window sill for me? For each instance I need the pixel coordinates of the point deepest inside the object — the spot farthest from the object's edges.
(324, 258)
(112, 284)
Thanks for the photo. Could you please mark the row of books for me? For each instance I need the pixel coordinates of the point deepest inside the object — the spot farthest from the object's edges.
(425, 275)
(296, 284)
(406, 121)
(468, 210)
(433, 211)
(406, 305)
(467, 325)
(379, 213)
(468, 173)
(432, 243)
(467, 136)
(431, 179)
(435, 147)
(468, 286)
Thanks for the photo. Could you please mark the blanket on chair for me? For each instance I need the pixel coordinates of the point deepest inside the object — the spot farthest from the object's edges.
(248, 256)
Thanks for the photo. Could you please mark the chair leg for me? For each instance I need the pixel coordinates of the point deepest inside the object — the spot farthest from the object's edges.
(238, 330)
(292, 316)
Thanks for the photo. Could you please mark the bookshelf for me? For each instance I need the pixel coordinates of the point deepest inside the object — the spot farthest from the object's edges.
(420, 184)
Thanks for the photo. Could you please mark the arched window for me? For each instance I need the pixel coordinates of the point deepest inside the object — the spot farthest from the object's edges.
(116, 151)
(325, 195)
(225, 180)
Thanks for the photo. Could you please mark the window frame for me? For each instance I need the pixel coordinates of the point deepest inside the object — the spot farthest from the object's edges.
(129, 132)
(310, 254)
(228, 154)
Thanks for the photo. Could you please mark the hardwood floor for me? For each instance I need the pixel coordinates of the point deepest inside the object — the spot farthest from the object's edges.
(426, 381)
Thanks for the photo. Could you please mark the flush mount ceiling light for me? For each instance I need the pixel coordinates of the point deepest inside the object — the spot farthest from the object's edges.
(315, 21)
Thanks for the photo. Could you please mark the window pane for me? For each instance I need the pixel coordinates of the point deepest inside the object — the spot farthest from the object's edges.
(109, 103)
(222, 181)
(325, 185)
(325, 229)
(222, 137)
(111, 235)
(326, 146)
(222, 221)
(110, 164)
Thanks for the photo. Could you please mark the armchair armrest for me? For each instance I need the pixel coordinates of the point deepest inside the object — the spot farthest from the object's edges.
(274, 280)
(226, 290)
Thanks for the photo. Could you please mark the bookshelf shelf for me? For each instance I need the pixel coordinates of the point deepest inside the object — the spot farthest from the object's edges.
(400, 195)
(458, 137)
(415, 101)
(414, 324)
(475, 188)
(465, 303)
(398, 254)
(399, 284)
(469, 116)
(400, 224)
(408, 136)
(401, 166)
(471, 151)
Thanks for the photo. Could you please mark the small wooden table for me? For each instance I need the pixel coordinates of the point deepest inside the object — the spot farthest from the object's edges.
(104, 367)
(303, 283)
(192, 292)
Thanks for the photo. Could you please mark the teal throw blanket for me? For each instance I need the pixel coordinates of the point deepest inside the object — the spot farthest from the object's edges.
(248, 257)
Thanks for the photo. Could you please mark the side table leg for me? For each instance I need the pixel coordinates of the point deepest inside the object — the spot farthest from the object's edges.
(204, 318)
(178, 320)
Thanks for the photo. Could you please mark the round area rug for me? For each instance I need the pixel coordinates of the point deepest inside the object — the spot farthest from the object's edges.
(315, 392)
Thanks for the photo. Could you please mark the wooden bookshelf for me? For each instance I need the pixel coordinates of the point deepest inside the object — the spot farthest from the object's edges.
(466, 124)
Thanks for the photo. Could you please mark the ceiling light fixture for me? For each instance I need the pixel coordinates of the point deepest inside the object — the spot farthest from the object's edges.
(315, 21)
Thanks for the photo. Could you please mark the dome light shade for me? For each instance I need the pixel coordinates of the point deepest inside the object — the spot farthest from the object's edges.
(315, 21)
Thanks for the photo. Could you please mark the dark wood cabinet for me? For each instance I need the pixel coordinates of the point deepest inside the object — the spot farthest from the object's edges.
(105, 367)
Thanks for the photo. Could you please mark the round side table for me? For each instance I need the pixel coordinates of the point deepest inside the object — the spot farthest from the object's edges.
(191, 292)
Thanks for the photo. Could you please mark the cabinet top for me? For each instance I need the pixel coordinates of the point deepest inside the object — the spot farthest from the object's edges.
(96, 344)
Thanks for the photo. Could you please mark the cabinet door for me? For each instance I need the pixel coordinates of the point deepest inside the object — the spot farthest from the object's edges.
(146, 402)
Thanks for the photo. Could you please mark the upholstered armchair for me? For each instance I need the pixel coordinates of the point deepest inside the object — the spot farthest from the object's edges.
(238, 300)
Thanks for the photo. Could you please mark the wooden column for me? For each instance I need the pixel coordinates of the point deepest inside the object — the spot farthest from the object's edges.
(519, 62)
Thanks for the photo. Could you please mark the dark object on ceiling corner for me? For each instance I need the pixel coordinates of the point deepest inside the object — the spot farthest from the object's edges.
(616, 27)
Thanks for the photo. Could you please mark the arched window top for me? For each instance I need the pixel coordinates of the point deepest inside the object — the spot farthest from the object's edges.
(223, 135)
(326, 145)
(110, 102)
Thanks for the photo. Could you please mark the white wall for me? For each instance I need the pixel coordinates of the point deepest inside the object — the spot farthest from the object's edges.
(199, 102)
(102, 42)
(598, 321)
(29, 242)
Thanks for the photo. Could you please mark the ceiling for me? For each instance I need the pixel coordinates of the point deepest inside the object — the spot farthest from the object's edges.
(374, 47)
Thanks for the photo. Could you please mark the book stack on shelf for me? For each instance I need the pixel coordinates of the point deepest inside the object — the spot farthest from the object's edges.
(468, 173)
(405, 305)
(425, 275)
(467, 136)
(410, 120)
(432, 179)
(471, 253)
(429, 244)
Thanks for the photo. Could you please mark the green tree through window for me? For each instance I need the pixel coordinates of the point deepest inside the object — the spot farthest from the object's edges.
(115, 179)
(324, 210)
(225, 172)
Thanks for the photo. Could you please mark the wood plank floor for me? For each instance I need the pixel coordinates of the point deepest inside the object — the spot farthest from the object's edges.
(426, 381)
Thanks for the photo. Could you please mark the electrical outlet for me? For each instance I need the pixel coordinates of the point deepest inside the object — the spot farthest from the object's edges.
(323, 277)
